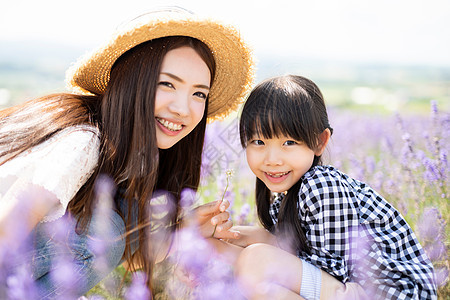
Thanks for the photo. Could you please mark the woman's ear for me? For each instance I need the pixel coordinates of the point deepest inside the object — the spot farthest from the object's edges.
(324, 137)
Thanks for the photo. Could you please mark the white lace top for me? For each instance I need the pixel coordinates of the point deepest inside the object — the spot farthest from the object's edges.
(61, 165)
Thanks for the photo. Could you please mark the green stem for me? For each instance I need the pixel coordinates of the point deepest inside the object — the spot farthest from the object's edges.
(226, 187)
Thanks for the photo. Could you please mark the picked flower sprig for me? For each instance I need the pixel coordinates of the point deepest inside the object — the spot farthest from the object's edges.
(229, 174)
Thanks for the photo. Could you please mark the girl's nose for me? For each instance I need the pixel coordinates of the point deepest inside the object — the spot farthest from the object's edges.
(180, 105)
(273, 157)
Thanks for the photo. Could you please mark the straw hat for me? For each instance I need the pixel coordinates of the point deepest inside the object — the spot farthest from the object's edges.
(234, 62)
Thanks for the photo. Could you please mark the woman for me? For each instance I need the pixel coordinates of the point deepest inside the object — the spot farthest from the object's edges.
(139, 117)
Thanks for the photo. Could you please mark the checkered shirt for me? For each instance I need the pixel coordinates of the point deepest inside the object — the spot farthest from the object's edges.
(356, 235)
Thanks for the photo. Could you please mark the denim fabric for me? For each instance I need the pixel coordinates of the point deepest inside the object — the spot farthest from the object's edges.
(89, 257)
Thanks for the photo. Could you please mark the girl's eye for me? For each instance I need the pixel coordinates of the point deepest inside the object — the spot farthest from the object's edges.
(201, 95)
(166, 83)
(290, 143)
(257, 142)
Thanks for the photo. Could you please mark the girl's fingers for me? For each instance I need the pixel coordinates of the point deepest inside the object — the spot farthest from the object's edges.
(227, 234)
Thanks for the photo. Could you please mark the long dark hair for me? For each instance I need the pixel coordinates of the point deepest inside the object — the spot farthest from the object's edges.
(129, 154)
(284, 106)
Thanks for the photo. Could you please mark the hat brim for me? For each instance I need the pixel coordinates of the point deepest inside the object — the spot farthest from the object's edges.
(234, 62)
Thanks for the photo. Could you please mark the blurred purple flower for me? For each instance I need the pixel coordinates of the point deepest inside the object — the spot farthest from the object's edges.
(434, 111)
(138, 289)
(62, 276)
(370, 164)
(188, 198)
(436, 251)
(105, 190)
(20, 285)
(441, 276)
(245, 210)
(431, 173)
(217, 282)
(443, 164)
(194, 251)
(430, 226)
(230, 196)
(104, 185)
(431, 230)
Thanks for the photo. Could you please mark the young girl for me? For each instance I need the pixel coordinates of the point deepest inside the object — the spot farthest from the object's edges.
(139, 117)
(315, 217)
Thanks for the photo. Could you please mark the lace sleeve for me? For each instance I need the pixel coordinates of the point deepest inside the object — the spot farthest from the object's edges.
(61, 165)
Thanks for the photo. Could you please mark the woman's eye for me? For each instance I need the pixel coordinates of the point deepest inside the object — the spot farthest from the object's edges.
(290, 143)
(166, 83)
(201, 95)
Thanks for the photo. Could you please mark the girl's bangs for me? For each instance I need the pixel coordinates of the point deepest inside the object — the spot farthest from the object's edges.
(270, 121)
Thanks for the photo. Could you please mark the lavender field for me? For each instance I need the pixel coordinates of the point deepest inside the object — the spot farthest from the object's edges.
(403, 156)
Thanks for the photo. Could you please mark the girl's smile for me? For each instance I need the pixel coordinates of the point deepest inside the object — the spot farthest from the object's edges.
(276, 177)
(279, 162)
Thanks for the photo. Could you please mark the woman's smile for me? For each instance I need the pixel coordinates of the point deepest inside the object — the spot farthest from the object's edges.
(171, 126)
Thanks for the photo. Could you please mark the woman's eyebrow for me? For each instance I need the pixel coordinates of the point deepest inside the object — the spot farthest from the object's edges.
(175, 77)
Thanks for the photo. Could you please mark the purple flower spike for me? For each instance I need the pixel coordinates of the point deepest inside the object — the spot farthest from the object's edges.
(245, 210)
(138, 289)
(188, 198)
(441, 276)
(105, 185)
(430, 226)
(21, 285)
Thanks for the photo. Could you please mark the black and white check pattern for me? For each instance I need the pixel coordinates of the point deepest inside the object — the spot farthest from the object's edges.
(357, 236)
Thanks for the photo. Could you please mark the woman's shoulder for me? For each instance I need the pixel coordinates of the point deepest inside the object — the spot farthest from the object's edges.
(77, 137)
(77, 140)
(81, 129)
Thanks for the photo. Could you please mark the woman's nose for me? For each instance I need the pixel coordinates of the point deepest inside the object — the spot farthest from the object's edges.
(180, 105)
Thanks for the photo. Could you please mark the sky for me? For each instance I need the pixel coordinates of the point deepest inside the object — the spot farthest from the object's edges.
(387, 31)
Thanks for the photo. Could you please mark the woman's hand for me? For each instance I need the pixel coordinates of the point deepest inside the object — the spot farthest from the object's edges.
(212, 218)
(251, 235)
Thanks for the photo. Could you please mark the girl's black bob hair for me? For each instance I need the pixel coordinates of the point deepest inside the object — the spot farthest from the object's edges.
(290, 106)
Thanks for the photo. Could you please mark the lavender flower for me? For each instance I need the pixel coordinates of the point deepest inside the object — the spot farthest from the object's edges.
(188, 198)
(245, 210)
(442, 276)
(430, 227)
(104, 193)
(138, 289)
(20, 285)
(194, 251)
(431, 230)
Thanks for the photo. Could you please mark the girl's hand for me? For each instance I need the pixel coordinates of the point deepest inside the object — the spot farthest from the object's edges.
(252, 235)
(208, 215)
